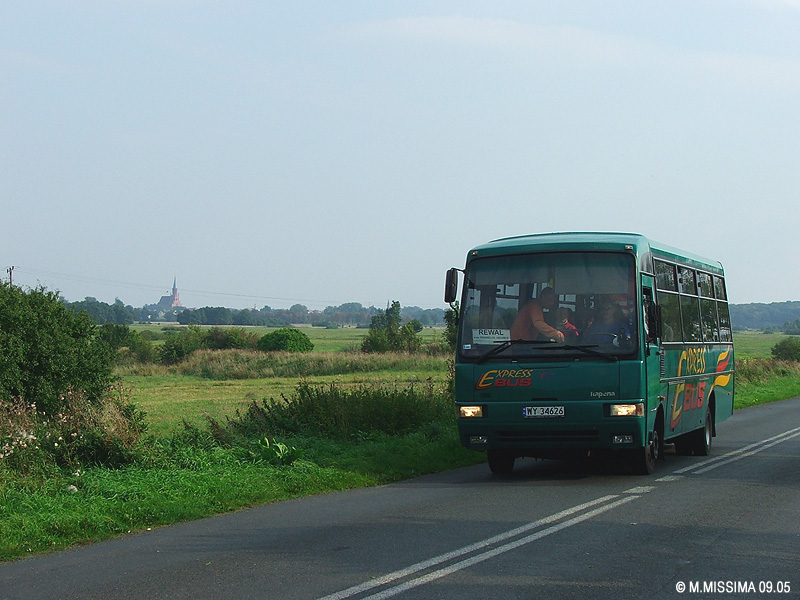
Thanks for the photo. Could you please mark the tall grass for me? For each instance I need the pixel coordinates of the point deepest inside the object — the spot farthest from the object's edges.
(762, 380)
(333, 412)
(252, 364)
(761, 370)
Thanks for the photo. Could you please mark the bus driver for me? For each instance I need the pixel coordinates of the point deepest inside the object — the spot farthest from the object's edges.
(530, 323)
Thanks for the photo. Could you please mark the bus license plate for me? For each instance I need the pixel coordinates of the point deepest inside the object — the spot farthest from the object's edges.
(537, 412)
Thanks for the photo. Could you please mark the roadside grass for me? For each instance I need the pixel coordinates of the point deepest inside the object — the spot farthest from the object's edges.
(184, 483)
(205, 452)
(762, 380)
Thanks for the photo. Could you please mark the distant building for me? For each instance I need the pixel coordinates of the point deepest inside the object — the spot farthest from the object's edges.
(173, 300)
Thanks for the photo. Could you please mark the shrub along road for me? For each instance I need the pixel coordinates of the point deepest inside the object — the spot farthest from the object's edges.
(555, 530)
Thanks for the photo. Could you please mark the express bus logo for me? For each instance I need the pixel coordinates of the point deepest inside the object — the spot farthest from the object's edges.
(692, 394)
(505, 378)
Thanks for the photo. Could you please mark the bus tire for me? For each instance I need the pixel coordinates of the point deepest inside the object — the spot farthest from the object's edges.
(500, 461)
(644, 459)
(700, 439)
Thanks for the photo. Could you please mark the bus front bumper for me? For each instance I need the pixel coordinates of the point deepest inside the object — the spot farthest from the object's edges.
(588, 426)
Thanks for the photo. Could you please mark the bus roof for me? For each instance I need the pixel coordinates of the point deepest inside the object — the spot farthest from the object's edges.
(597, 240)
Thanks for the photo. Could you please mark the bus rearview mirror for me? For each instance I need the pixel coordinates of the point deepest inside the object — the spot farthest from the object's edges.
(451, 286)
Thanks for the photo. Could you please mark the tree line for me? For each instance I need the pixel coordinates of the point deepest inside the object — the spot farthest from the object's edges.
(758, 315)
(352, 314)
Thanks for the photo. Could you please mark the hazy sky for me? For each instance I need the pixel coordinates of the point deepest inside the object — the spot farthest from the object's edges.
(273, 153)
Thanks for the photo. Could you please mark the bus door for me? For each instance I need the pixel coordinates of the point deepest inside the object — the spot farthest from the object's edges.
(653, 351)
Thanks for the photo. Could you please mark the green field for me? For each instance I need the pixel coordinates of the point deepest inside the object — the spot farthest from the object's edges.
(169, 397)
(755, 344)
(325, 340)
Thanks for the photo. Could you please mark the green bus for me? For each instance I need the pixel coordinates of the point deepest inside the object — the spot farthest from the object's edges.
(577, 343)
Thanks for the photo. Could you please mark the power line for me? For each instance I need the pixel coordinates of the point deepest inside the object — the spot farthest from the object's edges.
(159, 289)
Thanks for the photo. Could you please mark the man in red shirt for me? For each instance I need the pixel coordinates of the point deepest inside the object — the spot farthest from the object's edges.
(530, 323)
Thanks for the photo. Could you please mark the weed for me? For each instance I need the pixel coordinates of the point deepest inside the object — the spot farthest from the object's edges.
(274, 452)
(82, 432)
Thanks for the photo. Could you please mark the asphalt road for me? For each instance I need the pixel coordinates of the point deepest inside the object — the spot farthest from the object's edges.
(723, 526)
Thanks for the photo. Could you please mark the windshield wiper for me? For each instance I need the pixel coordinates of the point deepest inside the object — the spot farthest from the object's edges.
(507, 344)
(586, 349)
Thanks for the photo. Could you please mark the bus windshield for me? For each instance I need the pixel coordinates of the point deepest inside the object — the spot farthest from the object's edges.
(558, 304)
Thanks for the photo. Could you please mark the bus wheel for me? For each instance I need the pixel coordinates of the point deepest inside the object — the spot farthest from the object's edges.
(644, 459)
(500, 462)
(700, 440)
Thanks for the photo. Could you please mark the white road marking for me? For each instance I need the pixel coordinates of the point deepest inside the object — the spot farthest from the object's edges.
(420, 566)
(464, 564)
(735, 455)
(606, 503)
(642, 489)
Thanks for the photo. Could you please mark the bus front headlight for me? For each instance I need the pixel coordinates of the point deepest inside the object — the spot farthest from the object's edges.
(634, 409)
(470, 412)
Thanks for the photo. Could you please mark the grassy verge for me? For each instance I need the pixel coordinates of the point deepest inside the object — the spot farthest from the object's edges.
(761, 380)
(183, 482)
(339, 437)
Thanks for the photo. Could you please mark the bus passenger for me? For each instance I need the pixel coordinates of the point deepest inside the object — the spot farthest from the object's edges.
(530, 323)
(563, 324)
(609, 326)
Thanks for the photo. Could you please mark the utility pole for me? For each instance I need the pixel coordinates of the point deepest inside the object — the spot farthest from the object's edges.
(10, 271)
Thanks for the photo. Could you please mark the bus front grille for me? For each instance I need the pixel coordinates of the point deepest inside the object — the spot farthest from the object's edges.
(588, 435)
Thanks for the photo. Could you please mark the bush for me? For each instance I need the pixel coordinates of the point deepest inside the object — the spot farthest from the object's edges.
(286, 339)
(787, 349)
(116, 336)
(234, 338)
(334, 412)
(46, 351)
(179, 346)
(79, 434)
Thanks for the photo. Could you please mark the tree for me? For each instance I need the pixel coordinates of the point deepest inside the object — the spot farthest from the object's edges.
(787, 349)
(386, 334)
(289, 339)
(101, 313)
(177, 347)
(792, 327)
(451, 329)
(47, 350)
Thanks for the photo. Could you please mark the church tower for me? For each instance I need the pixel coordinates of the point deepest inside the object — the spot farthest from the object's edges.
(176, 300)
(173, 300)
